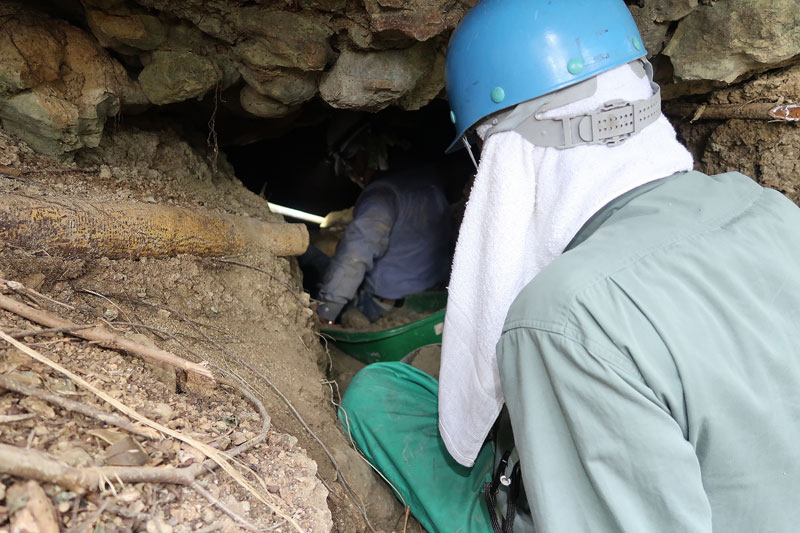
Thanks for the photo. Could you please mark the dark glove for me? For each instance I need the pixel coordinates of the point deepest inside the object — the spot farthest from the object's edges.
(327, 312)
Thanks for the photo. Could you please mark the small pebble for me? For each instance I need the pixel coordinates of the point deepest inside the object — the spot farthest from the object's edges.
(163, 411)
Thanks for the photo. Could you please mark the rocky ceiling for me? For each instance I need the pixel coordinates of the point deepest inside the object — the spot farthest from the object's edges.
(67, 66)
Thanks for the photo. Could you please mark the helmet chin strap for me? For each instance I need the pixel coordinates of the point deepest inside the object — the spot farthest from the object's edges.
(469, 150)
(611, 124)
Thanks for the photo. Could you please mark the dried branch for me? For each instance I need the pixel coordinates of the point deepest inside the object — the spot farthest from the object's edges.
(32, 294)
(4, 419)
(33, 464)
(103, 337)
(89, 522)
(197, 487)
(222, 460)
(44, 331)
(299, 417)
(78, 407)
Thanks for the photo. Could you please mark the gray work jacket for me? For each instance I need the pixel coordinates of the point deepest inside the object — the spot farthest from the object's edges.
(652, 372)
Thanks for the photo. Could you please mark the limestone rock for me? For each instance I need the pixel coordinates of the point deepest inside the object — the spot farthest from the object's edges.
(669, 10)
(131, 31)
(418, 19)
(323, 5)
(289, 87)
(30, 509)
(727, 41)
(430, 85)
(29, 54)
(373, 80)
(175, 76)
(261, 106)
(654, 35)
(215, 17)
(356, 28)
(57, 85)
(283, 39)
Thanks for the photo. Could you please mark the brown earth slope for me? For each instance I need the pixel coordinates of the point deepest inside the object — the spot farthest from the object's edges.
(246, 315)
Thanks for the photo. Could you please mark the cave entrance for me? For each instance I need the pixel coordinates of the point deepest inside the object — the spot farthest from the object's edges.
(296, 168)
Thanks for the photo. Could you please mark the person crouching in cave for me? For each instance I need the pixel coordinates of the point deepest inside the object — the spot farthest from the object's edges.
(621, 348)
(399, 241)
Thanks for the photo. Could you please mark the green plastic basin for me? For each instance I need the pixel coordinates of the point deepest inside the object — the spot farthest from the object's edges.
(394, 344)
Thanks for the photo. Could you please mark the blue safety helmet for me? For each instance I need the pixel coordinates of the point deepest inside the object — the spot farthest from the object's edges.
(505, 52)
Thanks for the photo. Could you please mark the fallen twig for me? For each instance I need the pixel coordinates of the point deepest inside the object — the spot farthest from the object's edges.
(197, 487)
(33, 464)
(45, 331)
(89, 522)
(210, 452)
(37, 465)
(121, 310)
(32, 294)
(102, 337)
(339, 473)
(78, 407)
(161, 333)
(5, 419)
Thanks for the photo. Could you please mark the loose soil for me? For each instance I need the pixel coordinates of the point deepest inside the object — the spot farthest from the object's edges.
(246, 315)
(353, 321)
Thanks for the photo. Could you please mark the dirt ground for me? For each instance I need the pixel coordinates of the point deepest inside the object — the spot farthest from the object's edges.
(246, 315)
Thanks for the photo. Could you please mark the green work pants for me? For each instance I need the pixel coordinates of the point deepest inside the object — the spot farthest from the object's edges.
(390, 411)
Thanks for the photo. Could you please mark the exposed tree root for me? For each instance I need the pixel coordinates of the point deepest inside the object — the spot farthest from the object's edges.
(33, 464)
(103, 337)
(78, 407)
(36, 465)
(79, 228)
(221, 459)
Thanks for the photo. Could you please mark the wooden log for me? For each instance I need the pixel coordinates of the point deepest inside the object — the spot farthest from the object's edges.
(79, 228)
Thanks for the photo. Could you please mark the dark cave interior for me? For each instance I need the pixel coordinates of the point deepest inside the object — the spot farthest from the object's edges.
(296, 168)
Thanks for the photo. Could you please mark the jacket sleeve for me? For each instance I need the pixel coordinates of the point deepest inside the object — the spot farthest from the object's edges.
(365, 240)
(598, 451)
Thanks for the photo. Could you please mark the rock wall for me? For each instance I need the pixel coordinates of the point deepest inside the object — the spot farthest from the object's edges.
(57, 84)
(61, 81)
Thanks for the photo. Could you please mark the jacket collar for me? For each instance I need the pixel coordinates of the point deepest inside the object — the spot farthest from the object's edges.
(608, 210)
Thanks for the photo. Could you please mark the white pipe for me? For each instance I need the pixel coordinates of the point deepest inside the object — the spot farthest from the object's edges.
(294, 213)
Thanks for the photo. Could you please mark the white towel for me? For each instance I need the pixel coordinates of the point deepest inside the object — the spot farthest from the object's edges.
(525, 206)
